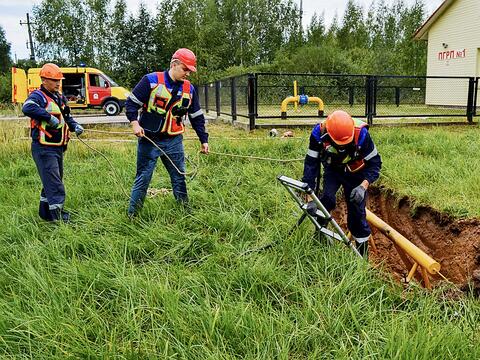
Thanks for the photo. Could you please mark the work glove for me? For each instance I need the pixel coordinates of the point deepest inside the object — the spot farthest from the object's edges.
(358, 194)
(78, 129)
(312, 208)
(53, 122)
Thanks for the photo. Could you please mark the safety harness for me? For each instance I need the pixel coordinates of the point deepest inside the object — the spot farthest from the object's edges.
(166, 104)
(49, 135)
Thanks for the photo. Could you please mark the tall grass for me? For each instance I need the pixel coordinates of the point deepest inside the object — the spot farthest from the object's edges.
(174, 282)
(436, 166)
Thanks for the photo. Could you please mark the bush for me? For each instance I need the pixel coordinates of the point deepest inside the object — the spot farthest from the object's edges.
(5, 88)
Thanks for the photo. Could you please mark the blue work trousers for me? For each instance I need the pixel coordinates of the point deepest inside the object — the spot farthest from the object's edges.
(356, 214)
(49, 162)
(147, 155)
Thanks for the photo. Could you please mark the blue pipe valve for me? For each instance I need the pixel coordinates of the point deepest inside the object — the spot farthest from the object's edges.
(303, 99)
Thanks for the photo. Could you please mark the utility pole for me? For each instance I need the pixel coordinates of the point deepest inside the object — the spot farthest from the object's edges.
(28, 23)
(301, 12)
(301, 19)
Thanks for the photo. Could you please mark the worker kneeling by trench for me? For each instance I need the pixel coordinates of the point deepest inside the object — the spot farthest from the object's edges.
(455, 244)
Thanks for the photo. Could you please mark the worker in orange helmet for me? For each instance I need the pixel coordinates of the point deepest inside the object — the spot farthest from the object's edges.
(50, 125)
(350, 159)
(164, 99)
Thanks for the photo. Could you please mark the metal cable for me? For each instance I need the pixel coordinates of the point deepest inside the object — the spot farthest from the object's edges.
(194, 172)
(191, 174)
(194, 138)
(109, 163)
(255, 157)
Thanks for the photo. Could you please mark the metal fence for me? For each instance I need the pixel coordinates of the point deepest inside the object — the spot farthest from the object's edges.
(256, 99)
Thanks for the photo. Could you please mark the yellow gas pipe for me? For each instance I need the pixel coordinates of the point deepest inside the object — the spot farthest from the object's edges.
(421, 258)
(296, 100)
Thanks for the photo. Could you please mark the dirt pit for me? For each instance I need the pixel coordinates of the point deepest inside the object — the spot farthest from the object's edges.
(455, 244)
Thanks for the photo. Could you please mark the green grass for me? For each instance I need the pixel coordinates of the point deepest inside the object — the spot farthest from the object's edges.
(436, 166)
(10, 110)
(173, 284)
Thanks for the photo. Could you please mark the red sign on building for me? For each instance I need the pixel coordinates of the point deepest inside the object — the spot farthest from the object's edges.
(451, 54)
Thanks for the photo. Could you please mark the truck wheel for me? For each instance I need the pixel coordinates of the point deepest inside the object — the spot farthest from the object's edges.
(111, 108)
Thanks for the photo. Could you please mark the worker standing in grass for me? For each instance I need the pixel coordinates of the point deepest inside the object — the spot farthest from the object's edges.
(50, 125)
(350, 159)
(164, 99)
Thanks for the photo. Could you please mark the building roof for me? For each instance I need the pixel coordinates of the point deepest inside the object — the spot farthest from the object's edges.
(422, 32)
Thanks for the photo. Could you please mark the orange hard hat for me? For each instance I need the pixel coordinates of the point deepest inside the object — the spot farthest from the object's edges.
(340, 126)
(51, 71)
(186, 57)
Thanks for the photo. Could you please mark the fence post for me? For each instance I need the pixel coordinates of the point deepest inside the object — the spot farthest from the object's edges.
(475, 97)
(368, 99)
(374, 97)
(397, 96)
(251, 100)
(470, 99)
(217, 97)
(255, 99)
(233, 98)
(206, 97)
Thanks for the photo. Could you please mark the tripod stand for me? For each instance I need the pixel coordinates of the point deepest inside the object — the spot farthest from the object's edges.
(294, 187)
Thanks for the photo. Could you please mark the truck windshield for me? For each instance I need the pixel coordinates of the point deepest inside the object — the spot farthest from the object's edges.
(112, 83)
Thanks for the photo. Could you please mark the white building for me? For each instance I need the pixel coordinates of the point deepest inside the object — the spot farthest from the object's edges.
(453, 36)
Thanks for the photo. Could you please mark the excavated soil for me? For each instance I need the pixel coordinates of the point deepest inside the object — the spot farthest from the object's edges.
(455, 244)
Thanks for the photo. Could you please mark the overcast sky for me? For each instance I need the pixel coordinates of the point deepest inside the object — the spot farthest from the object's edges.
(13, 11)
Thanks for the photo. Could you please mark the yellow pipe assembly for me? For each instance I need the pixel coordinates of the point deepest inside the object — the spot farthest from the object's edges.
(420, 257)
(299, 100)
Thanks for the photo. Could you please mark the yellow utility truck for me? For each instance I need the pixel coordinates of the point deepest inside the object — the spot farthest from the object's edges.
(84, 88)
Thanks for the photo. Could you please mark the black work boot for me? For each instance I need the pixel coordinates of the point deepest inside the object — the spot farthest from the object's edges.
(323, 222)
(56, 214)
(60, 215)
(65, 216)
(362, 248)
(44, 211)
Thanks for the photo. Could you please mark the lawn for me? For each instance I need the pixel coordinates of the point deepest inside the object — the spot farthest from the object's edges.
(175, 283)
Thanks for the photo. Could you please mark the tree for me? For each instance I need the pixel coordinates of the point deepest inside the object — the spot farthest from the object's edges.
(228, 36)
(64, 39)
(5, 60)
(353, 32)
(136, 54)
(212, 45)
(413, 52)
(316, 30)
(99, 35)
